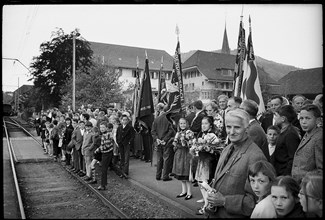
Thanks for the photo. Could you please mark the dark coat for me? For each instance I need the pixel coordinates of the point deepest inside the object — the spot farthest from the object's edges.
(256, 132)
(286, 146)
(266, 121)
(162, 129)
(124, 136)
(195, 126)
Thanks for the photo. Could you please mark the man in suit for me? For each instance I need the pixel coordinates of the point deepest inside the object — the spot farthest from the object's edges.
(195, 126)
(255, 130)
(190, 114)
(267, 119)
(163, 133)
(223, 102)
(77, 138)
(124, 137)
(232, 195)
(86, 150)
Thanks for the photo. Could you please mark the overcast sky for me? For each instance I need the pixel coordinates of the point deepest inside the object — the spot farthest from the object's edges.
(287, 34)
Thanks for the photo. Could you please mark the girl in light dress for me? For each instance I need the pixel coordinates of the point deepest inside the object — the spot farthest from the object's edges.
(182, 158)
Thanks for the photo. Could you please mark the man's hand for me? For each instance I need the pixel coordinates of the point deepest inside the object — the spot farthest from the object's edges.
(216, 199)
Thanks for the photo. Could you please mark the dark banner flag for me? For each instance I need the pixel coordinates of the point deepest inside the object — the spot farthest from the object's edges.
(176, 91)
(145, 108)
(162, 90)
(240, 57)
(251, 88)
(136, 93)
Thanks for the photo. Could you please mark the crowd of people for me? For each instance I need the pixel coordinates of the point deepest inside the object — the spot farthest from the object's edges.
(245, 165)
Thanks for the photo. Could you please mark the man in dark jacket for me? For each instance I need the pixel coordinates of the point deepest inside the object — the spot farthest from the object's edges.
(162, 133)
(124, 137)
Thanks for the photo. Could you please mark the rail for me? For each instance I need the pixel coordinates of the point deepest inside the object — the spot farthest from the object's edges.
(11, 157)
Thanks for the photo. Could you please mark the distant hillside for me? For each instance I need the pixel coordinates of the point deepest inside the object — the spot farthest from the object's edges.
(275, 70)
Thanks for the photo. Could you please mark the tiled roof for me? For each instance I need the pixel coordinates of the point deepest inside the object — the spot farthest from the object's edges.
(126, 56)
(209, 62)
(306, 81)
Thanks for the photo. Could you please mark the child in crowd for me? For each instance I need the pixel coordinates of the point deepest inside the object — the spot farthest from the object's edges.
(182, 158)
(272, 134)
(284, 192)
(287, 142)
(106, 148)
(261, 175)
(311, 194)
(46, 142)
(61, 149)
(97, 154)
(309, 154)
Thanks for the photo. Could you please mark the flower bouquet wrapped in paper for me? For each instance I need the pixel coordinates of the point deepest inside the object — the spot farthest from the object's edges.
(208, 143)
(183, 139)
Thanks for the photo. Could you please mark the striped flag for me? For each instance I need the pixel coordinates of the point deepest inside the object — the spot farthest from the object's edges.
(162, 90)
(176, 91)
(251, 88)
(136, 93)
(145, 107)
(240, 57)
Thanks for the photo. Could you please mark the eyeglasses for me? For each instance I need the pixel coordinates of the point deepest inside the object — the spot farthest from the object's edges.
(303, 194)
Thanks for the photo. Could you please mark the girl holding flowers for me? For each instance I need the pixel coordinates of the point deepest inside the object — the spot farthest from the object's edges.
(206, 146)
(182, 158)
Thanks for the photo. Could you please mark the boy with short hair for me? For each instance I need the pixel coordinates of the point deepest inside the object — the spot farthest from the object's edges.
(272, 134)
(309, 154)
(96, 155)
(288, 140)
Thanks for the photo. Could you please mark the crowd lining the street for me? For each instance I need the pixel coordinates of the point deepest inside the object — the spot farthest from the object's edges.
(266, 167)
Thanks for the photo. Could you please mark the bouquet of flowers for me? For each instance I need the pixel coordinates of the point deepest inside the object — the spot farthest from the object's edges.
(183, 138)
(209, 143)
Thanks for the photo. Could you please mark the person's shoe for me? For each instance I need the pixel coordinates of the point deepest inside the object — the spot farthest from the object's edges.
(195, 184)
(101, 188)
(199, 201)
(167, 179)
(181, 195)
(188, 197)
(81, 174)
(200, 211)
(158, 178)
(88, 178)
(148, 161)
(92, 182)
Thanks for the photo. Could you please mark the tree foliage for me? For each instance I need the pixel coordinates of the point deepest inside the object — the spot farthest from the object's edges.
(99, 87)
(53, 67)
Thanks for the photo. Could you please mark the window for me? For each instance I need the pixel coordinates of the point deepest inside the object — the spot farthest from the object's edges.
(134, 73)
(202, 83)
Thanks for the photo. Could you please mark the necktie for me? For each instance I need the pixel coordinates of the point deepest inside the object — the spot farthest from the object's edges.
(231, 150)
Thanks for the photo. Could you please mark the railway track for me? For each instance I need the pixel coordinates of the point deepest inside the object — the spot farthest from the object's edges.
(50, 190)
(46, 190)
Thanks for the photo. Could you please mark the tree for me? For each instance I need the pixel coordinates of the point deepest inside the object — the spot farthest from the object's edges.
(99, 87)
(53, 67)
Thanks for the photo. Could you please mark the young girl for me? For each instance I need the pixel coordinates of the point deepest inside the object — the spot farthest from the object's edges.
(261, 174)
(204, 145)
(182, 157)
(311, 194)
(284, 192)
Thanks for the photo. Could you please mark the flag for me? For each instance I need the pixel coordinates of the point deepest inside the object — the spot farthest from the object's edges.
(251, 88)
(176, 91)
(162, 90)
(136, 93)
(241, 50)
(145, 107)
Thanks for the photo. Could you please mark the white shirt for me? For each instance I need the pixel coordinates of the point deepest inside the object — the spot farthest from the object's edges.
(271, 149)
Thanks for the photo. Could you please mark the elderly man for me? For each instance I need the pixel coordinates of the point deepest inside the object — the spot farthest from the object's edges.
(231, 195)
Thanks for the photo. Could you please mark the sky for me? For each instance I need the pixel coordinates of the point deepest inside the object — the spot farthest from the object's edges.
(290, 34)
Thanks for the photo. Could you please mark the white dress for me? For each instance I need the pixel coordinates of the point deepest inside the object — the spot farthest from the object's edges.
(264, 209)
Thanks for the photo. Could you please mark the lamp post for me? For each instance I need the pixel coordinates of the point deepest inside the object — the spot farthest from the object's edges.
(74, 71)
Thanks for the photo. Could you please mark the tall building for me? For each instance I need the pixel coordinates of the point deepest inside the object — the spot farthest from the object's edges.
(225, 45)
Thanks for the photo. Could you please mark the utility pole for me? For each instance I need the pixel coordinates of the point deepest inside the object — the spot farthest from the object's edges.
(75, 34)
